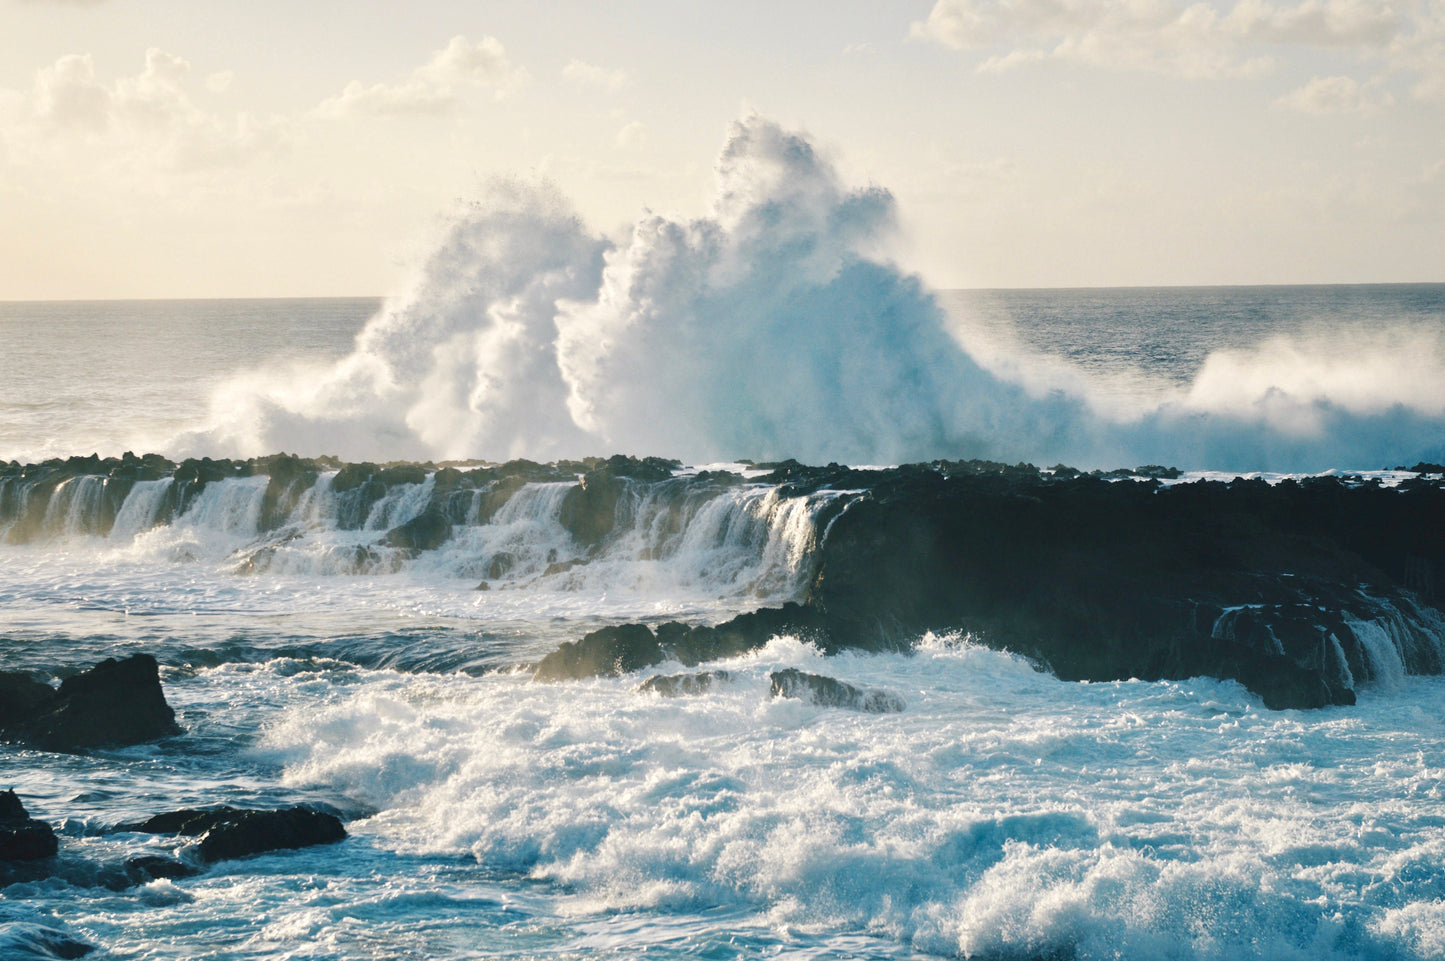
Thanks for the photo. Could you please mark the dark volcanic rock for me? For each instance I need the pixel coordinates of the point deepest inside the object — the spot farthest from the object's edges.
(22, 698)
(23, 838)
(589, 512)
(427, 531)
(831, 692)
(114, 703)
(1108, 580)
(605, 653)
(499, 565)
(746, 632)
(145, 868)
(680, 685)
(631, 647)
(227, 832)
(1291, 588)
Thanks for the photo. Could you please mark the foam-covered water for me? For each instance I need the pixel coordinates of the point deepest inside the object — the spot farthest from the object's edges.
(1001, 814)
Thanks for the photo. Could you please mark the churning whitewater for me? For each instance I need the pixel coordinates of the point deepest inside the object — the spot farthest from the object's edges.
(774, 327)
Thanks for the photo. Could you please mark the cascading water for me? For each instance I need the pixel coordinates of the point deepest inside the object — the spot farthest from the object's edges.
(141, 509)
(679, 537)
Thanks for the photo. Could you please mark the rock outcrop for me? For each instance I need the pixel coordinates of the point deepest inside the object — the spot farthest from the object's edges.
(113, 704)
(830, 692)
(23, 838)
(225, 832)
(1299, 590)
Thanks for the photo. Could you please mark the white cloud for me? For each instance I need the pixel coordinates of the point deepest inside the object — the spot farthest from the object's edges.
(1328, 95)
(433, 87)
(1189, 38)
(72, 117)
(585, 76)
(632, 135)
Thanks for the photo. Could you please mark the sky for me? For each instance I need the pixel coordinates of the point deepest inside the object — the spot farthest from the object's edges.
(195, 148)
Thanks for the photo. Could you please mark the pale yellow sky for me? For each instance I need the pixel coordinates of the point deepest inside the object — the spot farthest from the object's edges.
(185, 149)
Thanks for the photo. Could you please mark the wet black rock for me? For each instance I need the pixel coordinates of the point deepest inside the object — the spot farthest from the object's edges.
(226, 832)
(499, 565)
(747, 632)
(290, 478)
(604, 653)
(683, 685)
(1104, 580)
(427, 531)
(23, 838)
(625, 648)
(831, 692)
(113, 704)
(145, 868)
(1096, 577)
(21, 699)
(589, 512)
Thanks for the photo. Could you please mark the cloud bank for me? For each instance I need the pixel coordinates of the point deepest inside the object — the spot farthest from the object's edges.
(433, 88)
(144, 121)
(1196, 39)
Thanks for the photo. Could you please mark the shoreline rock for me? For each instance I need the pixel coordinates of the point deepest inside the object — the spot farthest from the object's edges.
(226, 833)
(1099, 577)
(22, 837)
(114, 704)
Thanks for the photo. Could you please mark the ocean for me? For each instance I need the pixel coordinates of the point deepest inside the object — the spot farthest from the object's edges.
(1001, 814)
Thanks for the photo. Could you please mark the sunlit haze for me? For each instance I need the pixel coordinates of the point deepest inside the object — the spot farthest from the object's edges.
(159, 148)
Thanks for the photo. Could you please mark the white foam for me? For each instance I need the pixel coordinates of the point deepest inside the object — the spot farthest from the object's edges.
(1002, 813)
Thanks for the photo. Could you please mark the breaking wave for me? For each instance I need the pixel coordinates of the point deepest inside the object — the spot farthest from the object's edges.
(775, 326)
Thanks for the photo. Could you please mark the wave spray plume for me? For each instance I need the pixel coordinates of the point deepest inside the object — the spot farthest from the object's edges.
(772, 327)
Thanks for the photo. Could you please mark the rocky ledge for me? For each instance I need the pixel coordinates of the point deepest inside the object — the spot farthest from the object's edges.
(1301, 589)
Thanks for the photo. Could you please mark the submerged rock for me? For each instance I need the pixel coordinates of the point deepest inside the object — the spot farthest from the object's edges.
(24, 941)
(831, 692)
(23, 838)
(113, 704)
(680, 685)
(145, 868)
(226, 832)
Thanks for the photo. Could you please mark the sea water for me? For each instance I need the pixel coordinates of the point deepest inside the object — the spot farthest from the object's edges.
(1001, 814)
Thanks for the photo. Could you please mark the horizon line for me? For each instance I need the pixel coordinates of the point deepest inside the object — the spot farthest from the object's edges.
(940, 290)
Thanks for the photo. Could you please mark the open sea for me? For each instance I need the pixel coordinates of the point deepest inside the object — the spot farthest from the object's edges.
(1003, 814)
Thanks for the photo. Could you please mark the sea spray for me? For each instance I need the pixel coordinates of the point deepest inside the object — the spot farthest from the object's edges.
(768, 328)
(776, 326)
